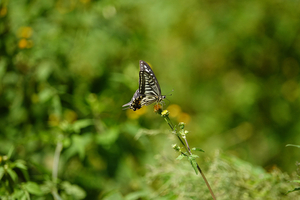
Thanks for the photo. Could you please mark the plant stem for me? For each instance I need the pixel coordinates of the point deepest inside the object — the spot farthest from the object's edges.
(58, 150)
(186, 146)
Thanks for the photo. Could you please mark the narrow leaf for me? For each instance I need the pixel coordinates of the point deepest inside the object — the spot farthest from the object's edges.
(197, 149)
(296, 189)
(2, 171)
(194, 164)
(9, 154)
(12, 174)
(194, 156)
(292, 145)
(180, 157)
(20, 164)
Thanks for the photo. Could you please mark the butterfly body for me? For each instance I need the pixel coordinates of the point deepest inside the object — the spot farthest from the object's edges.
(136, 101)
(149, 90)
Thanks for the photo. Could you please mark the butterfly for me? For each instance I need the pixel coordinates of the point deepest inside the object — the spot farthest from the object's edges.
(149, 90)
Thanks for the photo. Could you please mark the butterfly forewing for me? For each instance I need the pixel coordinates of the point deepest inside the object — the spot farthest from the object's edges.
(144, 67)
(149, 85)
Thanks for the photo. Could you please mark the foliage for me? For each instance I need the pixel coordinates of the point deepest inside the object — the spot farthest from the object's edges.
(67, 67)
(298, 169)
(230, 177)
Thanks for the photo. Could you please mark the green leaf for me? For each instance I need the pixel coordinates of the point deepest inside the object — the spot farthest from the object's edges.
(292, 145)
(73, 190)
(2, 171)
(9, 154)
(197, 149)
(19, 194)
(57, 105)
(180, 157)
(12, 174)
(45, 94)
(194, 156)
(33, 188)
(136, 195)
(113, 195)
(20, 164)
(109, 137)
(79, 124)
(47, 186)
(296, 189)
(79, 144)
(193, 163)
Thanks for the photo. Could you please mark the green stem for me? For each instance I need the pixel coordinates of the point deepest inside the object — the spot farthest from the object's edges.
(186, 146)
(167, 119)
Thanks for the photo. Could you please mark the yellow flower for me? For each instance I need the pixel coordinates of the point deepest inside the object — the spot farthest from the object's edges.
(165, 113)
(22, 43)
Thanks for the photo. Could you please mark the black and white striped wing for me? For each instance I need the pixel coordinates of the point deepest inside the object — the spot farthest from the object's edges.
(148, 85)
(149, 88)
(144, 67)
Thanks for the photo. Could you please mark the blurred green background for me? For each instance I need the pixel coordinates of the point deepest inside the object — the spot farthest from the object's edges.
(67, 67)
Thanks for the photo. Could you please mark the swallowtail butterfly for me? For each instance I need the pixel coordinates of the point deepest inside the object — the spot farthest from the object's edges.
(149, 90)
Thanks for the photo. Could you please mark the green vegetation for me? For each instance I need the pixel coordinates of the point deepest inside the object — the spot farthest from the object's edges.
(67, 67)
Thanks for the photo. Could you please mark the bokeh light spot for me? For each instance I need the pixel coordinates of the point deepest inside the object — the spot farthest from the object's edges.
(184, 117)
(290, 90)
(136, 114)
(3, 11)
(174, 110)
(22, 43)
(109, 11)
(25, 32)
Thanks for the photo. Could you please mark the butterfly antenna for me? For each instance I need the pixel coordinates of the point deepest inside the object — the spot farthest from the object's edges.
(170, 93)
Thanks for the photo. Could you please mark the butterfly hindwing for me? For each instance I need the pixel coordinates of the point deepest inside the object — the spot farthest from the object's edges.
(136, 101)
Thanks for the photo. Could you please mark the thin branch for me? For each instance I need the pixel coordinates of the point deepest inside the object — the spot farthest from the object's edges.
(186, 146)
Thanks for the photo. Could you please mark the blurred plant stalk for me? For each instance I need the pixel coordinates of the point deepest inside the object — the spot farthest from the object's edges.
(58, 150)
